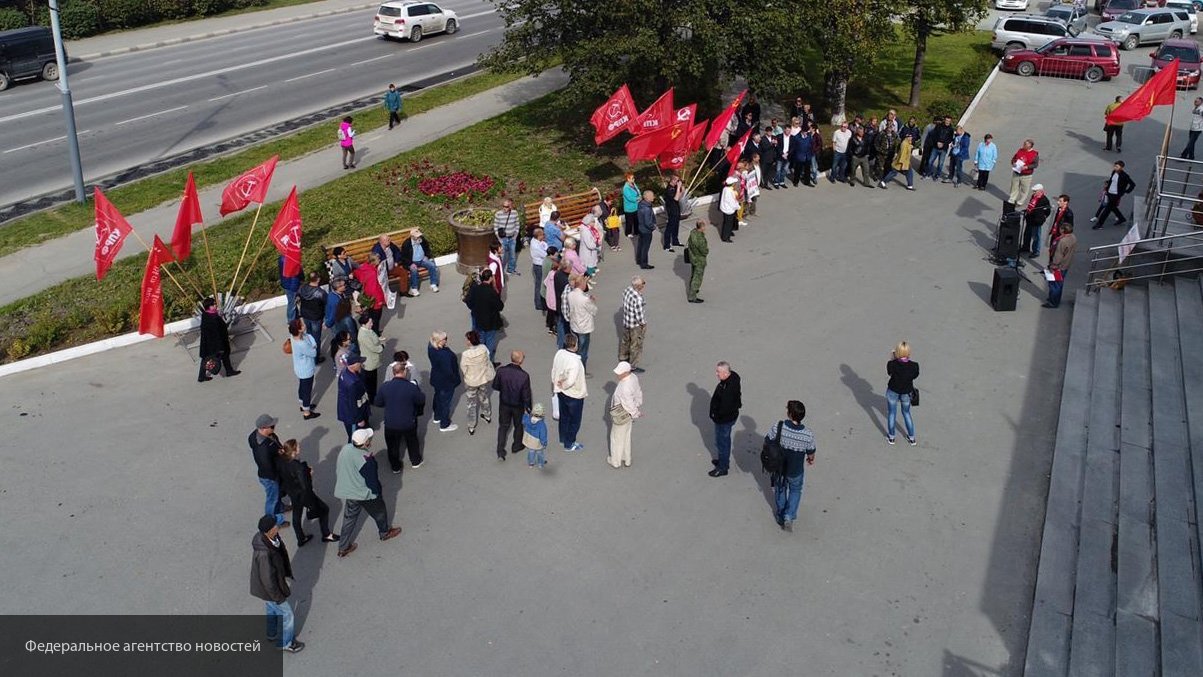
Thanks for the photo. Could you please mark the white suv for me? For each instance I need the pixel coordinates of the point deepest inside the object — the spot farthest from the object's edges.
(411, 20)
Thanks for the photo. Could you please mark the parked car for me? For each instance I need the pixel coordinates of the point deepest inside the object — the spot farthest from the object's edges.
(1189, 60)
(412, 20)
(1028, 31)
(1187, 6)
(1084, 57)
(1141, 26)
(1011, 4)
(26, 53)
(1113, 9)
(1071, 16)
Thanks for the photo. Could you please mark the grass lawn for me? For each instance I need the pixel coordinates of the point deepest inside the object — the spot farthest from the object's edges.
(531, 151)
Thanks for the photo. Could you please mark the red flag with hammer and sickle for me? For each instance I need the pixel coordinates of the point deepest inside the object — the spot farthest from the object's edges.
(111, 231)
(614, 116)
(286, 234)
(249, 187)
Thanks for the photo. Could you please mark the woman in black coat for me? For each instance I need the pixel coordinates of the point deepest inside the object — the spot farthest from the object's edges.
(296, 478)
(214, 343)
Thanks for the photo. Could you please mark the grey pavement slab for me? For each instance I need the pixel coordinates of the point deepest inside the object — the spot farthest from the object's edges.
(907, 561)
(1135, 645)
(1136, 575)
(1135, 416)
(1091, 650)
(1190, 333)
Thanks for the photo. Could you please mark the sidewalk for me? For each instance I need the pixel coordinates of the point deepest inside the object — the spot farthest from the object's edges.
(173, 34)
(36, 268)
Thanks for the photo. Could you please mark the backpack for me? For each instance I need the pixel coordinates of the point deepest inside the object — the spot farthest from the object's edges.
(772, 454)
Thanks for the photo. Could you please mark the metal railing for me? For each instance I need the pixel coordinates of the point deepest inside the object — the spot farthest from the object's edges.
(1174, 200)
(1150, 258)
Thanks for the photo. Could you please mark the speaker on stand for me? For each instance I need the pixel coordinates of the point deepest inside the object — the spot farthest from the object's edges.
(1006, 245)
(1004, 293)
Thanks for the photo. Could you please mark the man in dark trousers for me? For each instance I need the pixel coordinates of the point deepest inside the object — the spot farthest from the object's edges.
(265, 447)
(724, 410)
(270, 571)
(514, 400)
(311, 304)
(486, 306)
(672, 210)
(1115, 188)
(1034, 216)
(214, 342)
(646, 219)
(403, 403)
(354, 407)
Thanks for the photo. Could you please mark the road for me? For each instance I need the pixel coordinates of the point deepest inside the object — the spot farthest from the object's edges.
(142, 106)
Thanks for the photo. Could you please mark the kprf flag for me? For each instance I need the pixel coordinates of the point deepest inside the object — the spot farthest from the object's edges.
(648, 146)
(1158, 90)
(657, 116)
(286, 234)
(679, 148)
(189, 215)
(250, 187)
(111, 231)
(150, 316)
(736, 151)
(686, 114)
(720, 123)
(614, 116)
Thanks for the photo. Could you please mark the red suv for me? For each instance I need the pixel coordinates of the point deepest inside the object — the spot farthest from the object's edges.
(1091, 59)
(1187, 53)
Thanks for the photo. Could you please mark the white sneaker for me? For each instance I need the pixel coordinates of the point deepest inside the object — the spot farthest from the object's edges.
(742, 224)
(1093, 219)
(449, 429)
(434, 288)
(415, 292)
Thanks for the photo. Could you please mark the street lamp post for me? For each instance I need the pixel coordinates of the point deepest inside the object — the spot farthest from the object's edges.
(77, 169)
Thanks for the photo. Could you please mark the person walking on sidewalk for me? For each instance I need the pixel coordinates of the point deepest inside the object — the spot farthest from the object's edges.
(270, 571)
(1115, 131)
(358, 485)
(696, 251)
(296, 478)
(214, 350)
(392, 104)
(1115, 187)
(625, 407)
(634, 324)
(724, 410)
(798, 443)
(1023, 164)
(265, 447)
(346, 140)
(1196, 128)
(403, 404)
(1063, 248)
(568, 384)
(984, 160)
(476, 365)
(444, 378)
(512, 384)
(902, 372)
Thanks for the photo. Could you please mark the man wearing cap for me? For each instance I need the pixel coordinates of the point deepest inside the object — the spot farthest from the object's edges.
(415, 256)
(403, 404)
(353, 403)
(568, 384)
(1034, 216)
(270, 571)
(357, 483)
(265, 447)
(514, 399)
(728, 204)
(624, 409)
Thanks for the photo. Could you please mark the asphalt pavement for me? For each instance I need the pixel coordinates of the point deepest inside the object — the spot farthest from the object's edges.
(146, 105)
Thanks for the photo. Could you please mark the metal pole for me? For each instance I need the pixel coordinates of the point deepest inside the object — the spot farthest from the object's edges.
(77, 169)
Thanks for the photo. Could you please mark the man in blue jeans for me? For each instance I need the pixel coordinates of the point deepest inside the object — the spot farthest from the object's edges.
(414, 256)
(265, 446)
(506, 225)
(798, 443)
(724, 411)
(270, 571)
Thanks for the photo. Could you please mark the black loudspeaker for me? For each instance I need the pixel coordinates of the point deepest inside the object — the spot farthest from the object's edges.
(1005, 291)
(1009, 228)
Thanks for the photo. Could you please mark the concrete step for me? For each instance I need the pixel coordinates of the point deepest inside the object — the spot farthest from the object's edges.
(1189, 299)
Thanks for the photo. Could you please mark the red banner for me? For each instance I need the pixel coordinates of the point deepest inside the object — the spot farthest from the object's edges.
(648, 146)
(286, 234)
(111, 231)
(189, 215)
(720, 123)
(658, 116)
(734, 153)
(250, 187)
(679, 148)
(1158, 90)
(150, 316)
(614, 116)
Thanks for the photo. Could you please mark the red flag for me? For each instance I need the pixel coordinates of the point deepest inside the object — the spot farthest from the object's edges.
(734, 153)
(679, 148)
(286, 234)
(720, 123)
(150, 316)
(250, 187)
(614, 116)
(648, 146)
(1158, 90)
(686, 114)
(111, 231)
(657, 116)
(190, 215)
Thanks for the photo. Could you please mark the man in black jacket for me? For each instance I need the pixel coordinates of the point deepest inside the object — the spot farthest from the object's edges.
(311, 303)
(513, 384)
(214, 341)
(941, 136)
(265, 446)
(403, 403)
(486, 307)
(1034, 216)
(724, 411)
(270, 571)
(1115, 188)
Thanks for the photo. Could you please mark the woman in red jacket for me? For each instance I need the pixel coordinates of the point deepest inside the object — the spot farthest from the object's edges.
(371, 286)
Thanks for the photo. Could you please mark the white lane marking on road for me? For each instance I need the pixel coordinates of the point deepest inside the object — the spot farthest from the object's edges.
(377, 58)
(151, 115)
(38, 143)
(309, 75)
(226, 96)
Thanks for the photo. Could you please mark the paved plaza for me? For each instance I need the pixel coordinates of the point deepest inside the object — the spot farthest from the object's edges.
(128, 487)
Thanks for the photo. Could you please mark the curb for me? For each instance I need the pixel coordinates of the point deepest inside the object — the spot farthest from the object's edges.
(225, 31)
(981, 92)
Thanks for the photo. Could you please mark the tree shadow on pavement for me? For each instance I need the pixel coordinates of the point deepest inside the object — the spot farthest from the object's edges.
(868, 398)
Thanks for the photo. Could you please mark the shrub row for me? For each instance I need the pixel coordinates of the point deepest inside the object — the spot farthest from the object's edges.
(81, 18)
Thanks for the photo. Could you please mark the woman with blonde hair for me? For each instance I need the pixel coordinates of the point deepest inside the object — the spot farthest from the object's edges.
(902, 372)
(297, 479)
(444, 378)
(546, 209)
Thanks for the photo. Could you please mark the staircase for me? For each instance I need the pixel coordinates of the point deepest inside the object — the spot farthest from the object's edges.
(1118, 590)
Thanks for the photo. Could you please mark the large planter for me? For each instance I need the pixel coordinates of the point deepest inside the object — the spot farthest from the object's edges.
(473, 234)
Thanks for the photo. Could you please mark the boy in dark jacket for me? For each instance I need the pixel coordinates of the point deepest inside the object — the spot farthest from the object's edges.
(270, 571)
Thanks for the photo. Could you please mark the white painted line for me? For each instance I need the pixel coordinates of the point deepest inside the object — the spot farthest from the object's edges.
(376, 58)
(309, 75)
(226, 96)
(38, 143)
(151, 115)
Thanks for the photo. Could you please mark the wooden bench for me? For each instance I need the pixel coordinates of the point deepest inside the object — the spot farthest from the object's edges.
(358, 251)
(572, 208)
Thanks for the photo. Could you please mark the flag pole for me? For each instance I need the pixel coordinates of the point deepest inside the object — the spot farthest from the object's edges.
(163, 268)
(692, 183)
(245, 245)
(254, 260)
(209, 259)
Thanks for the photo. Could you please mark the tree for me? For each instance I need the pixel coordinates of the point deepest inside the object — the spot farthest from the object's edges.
(849, 35)
(925, 18)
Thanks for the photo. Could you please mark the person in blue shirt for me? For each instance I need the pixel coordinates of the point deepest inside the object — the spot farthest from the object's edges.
(553, 232)
(534, 436)
(958, 152)
(984, 161)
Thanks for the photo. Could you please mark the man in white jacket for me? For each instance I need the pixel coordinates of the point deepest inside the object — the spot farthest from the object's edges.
(568, 384)
(582, 308)
(728, 204)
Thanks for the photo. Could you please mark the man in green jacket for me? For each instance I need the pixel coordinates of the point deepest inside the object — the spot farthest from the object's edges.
(357, 483)
(392, 103)
(697, 249)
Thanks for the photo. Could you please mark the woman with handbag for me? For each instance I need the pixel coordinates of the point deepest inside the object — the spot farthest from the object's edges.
(303, 349)
(297, 479)
(902, 372)
(625, 407)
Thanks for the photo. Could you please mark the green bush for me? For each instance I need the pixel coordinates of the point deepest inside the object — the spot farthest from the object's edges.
(125, 13)
(210, 7)
(11, 18)
(970, 78)
(78, 19)
(950, 106)
(245, 4)
(172, 10)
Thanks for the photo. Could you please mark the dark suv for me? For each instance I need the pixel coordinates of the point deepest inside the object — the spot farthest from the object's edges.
(26, 53)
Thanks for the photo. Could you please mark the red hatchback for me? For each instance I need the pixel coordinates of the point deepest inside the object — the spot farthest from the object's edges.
(1189, 62)
(1090, 59)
